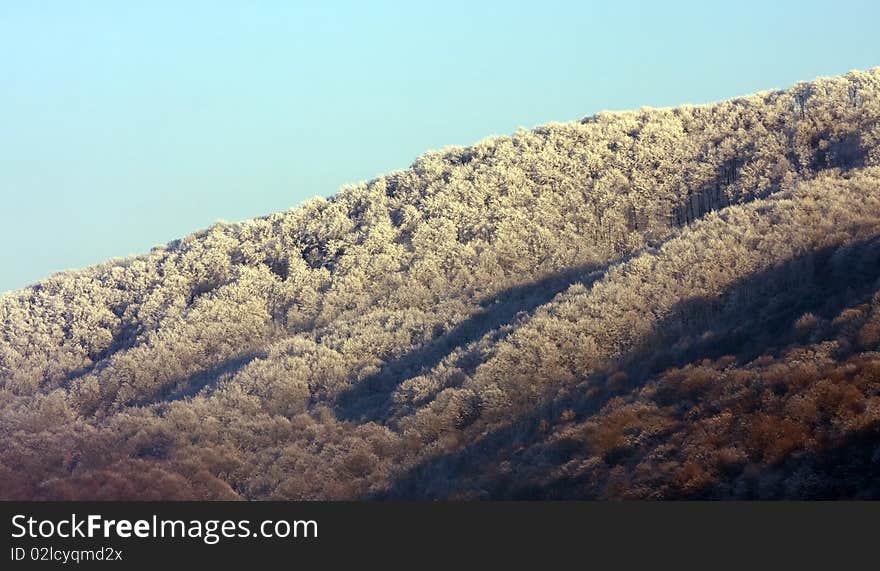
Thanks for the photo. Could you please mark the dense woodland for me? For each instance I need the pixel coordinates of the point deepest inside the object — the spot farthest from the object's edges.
(664, 303)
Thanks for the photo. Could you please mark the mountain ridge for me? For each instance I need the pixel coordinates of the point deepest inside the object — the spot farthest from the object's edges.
(490, 293)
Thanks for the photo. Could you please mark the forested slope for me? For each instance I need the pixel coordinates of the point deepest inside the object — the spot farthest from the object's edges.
(658, 304)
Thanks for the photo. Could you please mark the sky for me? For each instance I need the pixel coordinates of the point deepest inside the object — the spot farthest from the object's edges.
(124, 125)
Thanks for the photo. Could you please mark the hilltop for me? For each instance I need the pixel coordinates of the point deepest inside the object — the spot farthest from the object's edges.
(664, 303)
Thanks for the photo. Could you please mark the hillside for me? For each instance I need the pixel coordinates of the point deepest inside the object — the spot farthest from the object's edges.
(664, 303)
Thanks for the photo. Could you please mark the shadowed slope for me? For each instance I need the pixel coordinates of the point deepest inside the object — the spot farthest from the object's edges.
(515, 461)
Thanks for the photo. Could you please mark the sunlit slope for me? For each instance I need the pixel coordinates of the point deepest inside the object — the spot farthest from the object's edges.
(479, 325)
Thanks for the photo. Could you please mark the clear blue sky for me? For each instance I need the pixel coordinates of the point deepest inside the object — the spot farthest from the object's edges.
(127, 124)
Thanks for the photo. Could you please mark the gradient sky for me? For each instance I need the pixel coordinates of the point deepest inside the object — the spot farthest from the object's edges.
(127, 124)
